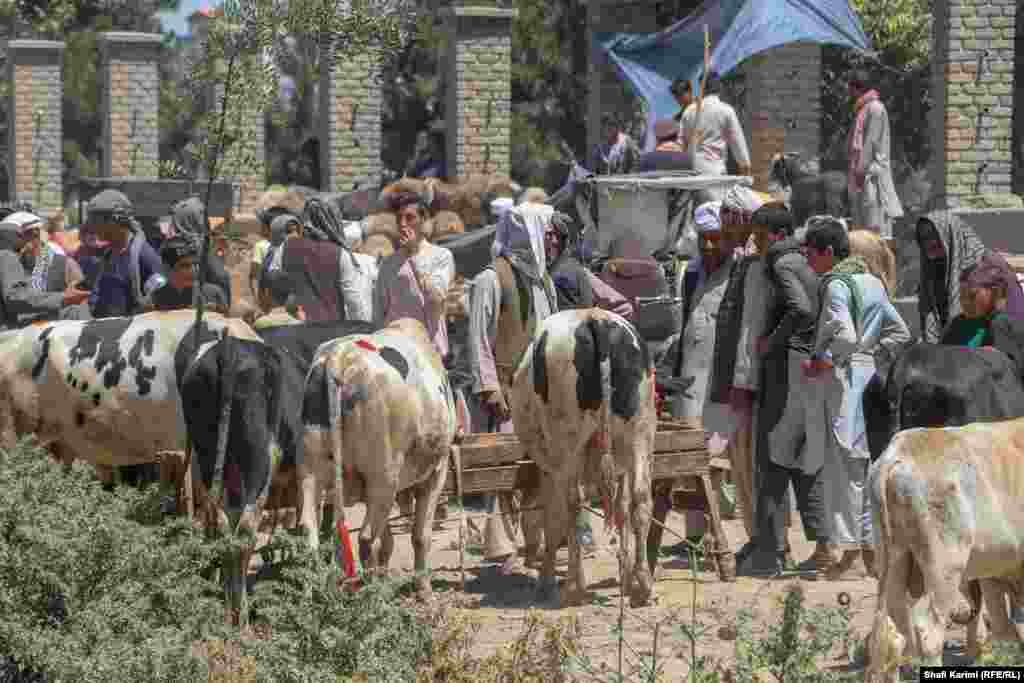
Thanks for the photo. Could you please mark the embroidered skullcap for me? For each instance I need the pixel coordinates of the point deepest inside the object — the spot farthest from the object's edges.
(23, 221)
(739, 205)
(501, 205)
(707, 217)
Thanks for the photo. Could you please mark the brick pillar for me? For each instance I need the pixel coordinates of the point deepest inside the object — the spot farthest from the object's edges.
(607, 92)
(34, 148)
(350, 120)
(783, 105)
(478, 113)
(972, 88)
(130, 103)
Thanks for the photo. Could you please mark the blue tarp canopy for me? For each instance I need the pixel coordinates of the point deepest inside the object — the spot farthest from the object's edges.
(738, 28)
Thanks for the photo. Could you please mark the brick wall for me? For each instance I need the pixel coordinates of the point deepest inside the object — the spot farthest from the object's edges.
(130, 103)
(478, 114)
(782, 112)
(972, 85)
(34, 146)
(350, 120)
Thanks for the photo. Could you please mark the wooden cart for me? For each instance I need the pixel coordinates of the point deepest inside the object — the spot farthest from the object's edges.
(495, 462)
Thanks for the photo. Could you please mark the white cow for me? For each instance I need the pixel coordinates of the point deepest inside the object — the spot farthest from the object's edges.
(583, 407)
(948, 511)
(379, 417)
(117, 391)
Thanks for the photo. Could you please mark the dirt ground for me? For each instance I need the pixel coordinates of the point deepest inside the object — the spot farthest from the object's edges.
(500, 603)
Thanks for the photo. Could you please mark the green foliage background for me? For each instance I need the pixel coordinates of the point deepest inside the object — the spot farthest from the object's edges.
(96, 585)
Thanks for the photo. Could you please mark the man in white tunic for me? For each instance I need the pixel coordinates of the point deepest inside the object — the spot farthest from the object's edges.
(715, 131)
(704, 285)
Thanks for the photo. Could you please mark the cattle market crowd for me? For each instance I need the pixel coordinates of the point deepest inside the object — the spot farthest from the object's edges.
(788, 343)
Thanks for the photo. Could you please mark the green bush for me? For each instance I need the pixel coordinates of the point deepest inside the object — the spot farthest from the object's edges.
(96, 585)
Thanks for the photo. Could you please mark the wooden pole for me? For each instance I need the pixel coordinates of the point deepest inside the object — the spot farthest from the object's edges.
(691, 142)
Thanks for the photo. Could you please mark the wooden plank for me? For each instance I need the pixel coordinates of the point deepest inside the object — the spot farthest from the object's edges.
(671, 438)
(483, 450)
(486, 450)
(514, 475)
(488, 479)
(679, 464)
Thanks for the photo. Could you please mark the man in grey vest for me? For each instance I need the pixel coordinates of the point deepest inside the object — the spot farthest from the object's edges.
(20, 301)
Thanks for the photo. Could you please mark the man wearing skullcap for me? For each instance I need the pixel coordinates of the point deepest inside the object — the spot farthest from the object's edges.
(20, 302)
(704, 284)
(50, 268)
(130, 270)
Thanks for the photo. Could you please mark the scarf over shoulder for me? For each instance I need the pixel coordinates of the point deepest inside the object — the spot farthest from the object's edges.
(939, 287)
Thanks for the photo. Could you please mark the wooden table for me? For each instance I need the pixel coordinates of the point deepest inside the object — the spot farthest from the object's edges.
(496, 462)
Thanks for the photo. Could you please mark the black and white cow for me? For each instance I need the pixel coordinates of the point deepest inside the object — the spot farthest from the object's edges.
(118, 391)
(584, 409)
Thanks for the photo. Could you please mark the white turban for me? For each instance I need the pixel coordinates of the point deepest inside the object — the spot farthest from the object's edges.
(739, 205)
(707, 217)
(501, 205)
(22, 221)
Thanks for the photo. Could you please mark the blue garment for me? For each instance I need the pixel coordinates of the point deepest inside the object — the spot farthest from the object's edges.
(739, 29)
(853, 347)
(114, 291)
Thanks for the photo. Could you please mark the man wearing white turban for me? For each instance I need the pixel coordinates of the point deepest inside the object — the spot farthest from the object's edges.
(704, 284)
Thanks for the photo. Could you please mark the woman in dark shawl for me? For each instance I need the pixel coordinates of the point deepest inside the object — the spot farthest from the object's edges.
(949, 248)
(988, 292)
(187, 218)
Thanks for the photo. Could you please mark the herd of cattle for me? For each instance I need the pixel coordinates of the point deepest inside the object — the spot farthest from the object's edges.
(371, 412)
(319, 406)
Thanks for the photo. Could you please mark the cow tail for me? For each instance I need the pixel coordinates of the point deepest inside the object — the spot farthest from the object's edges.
(227, 393)
(603, 440)
(332, 389)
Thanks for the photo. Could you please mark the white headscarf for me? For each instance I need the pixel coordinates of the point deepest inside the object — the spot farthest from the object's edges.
(530, 220)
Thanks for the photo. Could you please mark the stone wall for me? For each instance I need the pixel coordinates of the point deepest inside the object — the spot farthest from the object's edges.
(782, 112)
(972, 89)
(350, 120)
(478, 112)
(130, 103)
(35, 149)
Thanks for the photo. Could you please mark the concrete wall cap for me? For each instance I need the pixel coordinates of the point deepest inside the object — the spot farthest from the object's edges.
(35, 45)
(483, 11)
(129, 37)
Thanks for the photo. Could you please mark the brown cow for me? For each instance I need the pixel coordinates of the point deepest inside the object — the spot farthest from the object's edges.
(948, 513)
